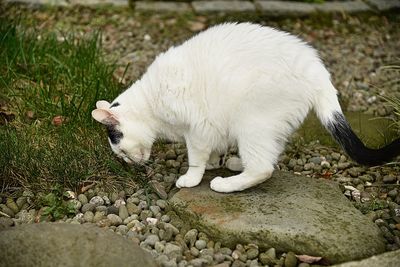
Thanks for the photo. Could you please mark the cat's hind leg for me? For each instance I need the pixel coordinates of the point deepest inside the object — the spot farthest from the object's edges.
(258, 154)
(214, 161)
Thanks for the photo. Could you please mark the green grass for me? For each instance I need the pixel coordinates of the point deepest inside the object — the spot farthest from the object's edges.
(47, 75)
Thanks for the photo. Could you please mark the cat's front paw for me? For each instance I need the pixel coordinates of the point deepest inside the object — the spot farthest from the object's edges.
(187, 181)
(222, 185)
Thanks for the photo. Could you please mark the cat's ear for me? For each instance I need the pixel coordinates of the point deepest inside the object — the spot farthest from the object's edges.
(104, 116)
(102, 104)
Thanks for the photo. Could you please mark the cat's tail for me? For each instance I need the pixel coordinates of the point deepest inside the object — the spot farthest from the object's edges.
(329, 112)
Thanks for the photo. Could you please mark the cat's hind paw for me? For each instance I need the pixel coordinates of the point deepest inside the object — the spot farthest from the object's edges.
(186, 181)
(222, 185)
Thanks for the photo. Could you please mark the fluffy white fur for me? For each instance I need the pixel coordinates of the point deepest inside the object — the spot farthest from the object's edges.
(233, 84)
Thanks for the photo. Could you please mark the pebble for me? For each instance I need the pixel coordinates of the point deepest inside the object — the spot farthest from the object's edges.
(12, 205)
(132, 208)
(88, 207)
(155, 209)
(99, 215)
(7, 210)
(390, 178)
(170, 154)
(83, 199)
(101, 208)
(112, 210)
(159, 247)
(252, 253)
(172, 250)
(75, 203)
(26, 217)
(97, 201)
(200, 244)
(190, 237)
(88, 216)
(21, 201)
(290, 260)
(114, 219)
(161, 203)
(123, 212)
(151, 240)
(122, 229)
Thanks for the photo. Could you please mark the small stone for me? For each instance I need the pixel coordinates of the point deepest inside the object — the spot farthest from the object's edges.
(106, 200)
(12, 205)
(83, 199)
(114, 219)
(161, 203)
(119, 202)
(78, 218)
(145, 214)
(151, 240)
(190, 237)
(159, 189)
(226, 251)
(131, 218)
(88, 216)
(155, 209)
(172, 251)
(159, 247)
(7, 210)
(343, 165)
(170, 154)
(200, 244)
(76, 204)
(132, 208)
(252, 253)
(104, 223)
(199, 262)
(26, 217)
(143, 205)
(97, 201)
(165, 218)
(112, 210)
(290, 260)
(21, 201)
(335, 155)
(315, 160)
(354, 171)
(238, 263)
(122, 229)
(292, 163)
(101, 208)
(88, 207)
(113, 197)
(390, 178)
(133, 200)
(123, 212)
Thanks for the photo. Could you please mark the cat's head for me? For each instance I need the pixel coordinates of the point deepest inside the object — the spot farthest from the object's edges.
(129, 136)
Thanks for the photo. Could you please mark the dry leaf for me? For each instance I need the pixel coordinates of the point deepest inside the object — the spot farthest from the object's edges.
(196, 26)
(58, 120)
(308, 259)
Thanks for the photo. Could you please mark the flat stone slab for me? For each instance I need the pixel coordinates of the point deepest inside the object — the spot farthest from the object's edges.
(222, 6)
(62, 244)
(287, 212)
(388, 259)
(290, 8)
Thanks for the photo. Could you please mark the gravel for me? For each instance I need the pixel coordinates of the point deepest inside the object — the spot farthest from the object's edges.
(353, 49)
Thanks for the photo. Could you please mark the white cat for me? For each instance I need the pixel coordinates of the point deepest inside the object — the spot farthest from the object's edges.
(241, 85)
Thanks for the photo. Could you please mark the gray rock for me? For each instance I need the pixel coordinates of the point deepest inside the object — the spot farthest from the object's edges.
(122, 229)
(123, 212)
(151, 240)
(88, 207)
(112, 210)
(287, 8)
(114, 219)
(155, 209)
(345, 6)
(99, 215)
(222, 6)
(390, 178)
(384, 5)
(97, 201)
(83, 199)
(290, 260)
(200, 244)
(25, 216)
(161, 203)
(21, 201)
(76, 204)
(132, 208)
(12, 205)
(7, 210)
(388, 259)
(88, 216)
(172, 250)
(170, 154)
(101, 208)
(294, 213)
(162, 7)
(59, 244)
(190, 237)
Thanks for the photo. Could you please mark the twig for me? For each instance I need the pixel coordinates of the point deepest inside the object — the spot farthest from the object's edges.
(4, 214)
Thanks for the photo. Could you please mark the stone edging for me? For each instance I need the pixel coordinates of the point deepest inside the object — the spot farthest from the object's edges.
(265, 7)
